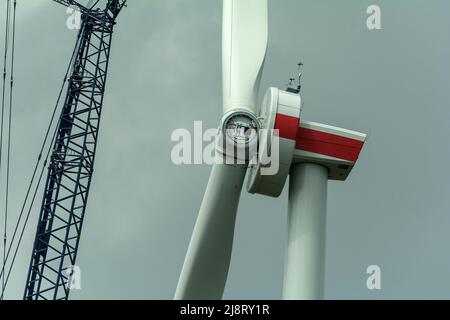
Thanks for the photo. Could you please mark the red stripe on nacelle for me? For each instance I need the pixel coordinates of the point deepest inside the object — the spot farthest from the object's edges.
(328, 144)
(287, 126)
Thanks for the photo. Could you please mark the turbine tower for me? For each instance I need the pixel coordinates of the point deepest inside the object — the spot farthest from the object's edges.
(311, 153)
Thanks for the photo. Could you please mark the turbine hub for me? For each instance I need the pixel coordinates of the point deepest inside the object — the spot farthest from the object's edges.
(238, 140)
(240, 128)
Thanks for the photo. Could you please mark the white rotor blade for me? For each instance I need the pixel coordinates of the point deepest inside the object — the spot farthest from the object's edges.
(244, 45)
(205, 268)
(207, 261)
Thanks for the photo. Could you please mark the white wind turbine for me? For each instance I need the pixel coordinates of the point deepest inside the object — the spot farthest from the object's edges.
(310, 152)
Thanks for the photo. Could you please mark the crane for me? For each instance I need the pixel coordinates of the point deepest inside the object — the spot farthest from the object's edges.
(72, 159)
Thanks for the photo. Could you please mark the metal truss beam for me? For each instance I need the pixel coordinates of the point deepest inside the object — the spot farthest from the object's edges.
(71, 164)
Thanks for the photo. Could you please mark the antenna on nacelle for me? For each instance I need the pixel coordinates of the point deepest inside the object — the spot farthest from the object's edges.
(290, 87)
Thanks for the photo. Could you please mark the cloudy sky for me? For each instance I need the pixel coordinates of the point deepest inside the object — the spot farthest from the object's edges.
(165, 73)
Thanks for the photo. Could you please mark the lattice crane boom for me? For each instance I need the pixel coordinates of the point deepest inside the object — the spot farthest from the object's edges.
(113, 7)
(71, 164)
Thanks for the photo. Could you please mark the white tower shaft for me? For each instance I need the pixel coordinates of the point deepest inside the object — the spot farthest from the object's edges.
(305, 254)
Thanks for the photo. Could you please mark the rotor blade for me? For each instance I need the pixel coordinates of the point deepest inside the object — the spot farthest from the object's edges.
(207, 261)
(244, 46)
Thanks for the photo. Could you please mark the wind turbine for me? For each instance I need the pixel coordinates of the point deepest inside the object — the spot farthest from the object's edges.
(310, 152)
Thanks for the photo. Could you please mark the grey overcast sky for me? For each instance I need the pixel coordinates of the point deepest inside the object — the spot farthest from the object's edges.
(165, 73)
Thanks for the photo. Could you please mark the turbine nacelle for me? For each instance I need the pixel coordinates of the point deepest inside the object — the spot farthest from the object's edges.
(298, 141)
(335, 148)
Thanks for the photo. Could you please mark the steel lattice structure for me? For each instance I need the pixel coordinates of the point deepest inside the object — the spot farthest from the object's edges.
(71, 164)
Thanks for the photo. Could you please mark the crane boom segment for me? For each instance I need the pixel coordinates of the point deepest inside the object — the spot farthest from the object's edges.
(71, 163)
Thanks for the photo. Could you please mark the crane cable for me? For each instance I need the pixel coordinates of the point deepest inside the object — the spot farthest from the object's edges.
(8, 149)
(3, 271)
(5, 59)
